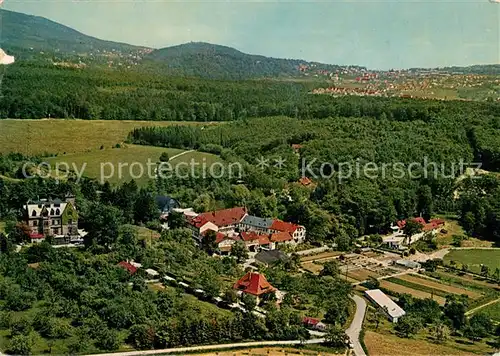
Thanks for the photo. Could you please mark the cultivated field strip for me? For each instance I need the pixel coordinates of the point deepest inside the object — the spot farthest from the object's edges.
(414, 292)
(439, 286)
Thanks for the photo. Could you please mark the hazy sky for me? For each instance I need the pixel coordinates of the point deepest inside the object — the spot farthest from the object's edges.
(376, 34)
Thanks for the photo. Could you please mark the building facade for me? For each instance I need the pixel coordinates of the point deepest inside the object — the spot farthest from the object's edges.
(47, 217)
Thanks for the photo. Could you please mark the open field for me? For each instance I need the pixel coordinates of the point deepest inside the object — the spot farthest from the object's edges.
(474, 258)
(414, 292)
(104, 161)
(452, 227)
(39, 137)
(439, 285)
(379, 344)
(321, 256)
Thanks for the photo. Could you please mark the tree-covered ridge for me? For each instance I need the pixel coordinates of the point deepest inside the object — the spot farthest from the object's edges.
(34, 90)
(21, 31)
(205, 60)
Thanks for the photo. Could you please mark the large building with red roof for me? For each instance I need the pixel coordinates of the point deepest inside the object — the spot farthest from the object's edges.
(235, 224)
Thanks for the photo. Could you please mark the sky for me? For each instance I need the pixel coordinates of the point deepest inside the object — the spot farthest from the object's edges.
(380, 34)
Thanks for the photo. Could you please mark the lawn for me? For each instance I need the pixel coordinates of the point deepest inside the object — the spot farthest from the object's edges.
(101, 163)
(492, 310)
(379, 344)
(43, 137)
(474, 258)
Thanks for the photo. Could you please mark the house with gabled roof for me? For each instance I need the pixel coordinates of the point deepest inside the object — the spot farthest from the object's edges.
(52, 217)
(226, 220)
(257, 224)
(255, 284)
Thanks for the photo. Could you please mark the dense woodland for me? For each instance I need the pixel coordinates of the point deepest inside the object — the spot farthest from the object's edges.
(341, 208)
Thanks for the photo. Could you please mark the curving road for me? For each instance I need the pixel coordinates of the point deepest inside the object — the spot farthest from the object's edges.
(357, 324)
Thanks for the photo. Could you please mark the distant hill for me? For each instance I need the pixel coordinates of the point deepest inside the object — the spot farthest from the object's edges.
(21, 33)
(207, 60)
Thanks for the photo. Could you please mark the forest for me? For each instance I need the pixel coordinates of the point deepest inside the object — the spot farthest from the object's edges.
(33, 90)
(439, 147)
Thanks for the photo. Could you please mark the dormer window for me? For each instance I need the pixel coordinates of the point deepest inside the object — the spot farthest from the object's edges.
(33, 213)
(58, 212)
(51, 211)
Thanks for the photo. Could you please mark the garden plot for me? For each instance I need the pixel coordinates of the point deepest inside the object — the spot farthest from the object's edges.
(400, 289)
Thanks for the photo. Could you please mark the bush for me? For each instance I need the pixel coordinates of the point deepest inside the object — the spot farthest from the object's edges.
(21, 326)
(108, 340)
(21, 345)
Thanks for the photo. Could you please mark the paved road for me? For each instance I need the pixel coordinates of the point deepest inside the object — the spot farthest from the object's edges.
(180, 350)
(356, 325)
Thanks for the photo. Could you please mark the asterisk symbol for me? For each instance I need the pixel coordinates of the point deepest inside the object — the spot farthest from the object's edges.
(279, 162)
(262, 162)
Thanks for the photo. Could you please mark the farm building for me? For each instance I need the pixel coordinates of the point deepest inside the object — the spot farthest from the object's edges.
(393, 311)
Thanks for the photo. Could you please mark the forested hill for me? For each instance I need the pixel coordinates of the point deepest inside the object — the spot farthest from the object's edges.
(21, 32)
(207, 60)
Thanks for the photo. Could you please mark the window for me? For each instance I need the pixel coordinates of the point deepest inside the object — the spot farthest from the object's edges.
(70, 221)
(58, 212)
(56, 231)
(35, 223)
(33, 213)
(51, 211)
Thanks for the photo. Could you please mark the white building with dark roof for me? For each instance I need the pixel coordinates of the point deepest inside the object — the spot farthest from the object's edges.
(51, 217)
(390, 308)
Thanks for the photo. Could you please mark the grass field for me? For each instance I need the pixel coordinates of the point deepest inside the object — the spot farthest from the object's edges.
(101, 163)
(39, 137)
(465, 279)
(436, 285)
(492, 310)
(474, 258)
(414, 292)
(379, 344)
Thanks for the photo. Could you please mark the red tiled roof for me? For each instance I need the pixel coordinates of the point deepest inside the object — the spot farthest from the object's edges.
(402, 223)
(251, 236)
(310, 321)
(36, 236)
(264, 240)
(279, 225)
(281, 236)
(305, 181)
(248, 236)
(130, 268)
(224, 217)
(197, 221)
(254, 283)
(433, 224)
